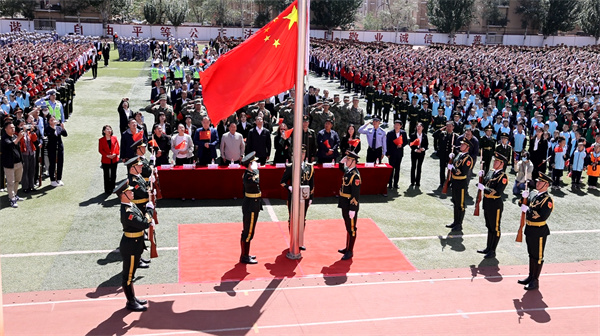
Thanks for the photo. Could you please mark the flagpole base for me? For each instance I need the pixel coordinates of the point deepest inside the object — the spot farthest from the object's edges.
(293, 256)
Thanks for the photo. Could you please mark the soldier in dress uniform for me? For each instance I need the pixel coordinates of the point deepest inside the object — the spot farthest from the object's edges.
(439, 122)
(460, 167)
(348, 201)
(378, 100)
(425, 116)
(251, 206)
(140, 192)
(401, 105)
(447, 144)
(538, 209)
(504, 147)
(414, 111)
(134, 222)
(488, 147)
(388, 101)
(307, 172)
(147, 165)
(493, 186)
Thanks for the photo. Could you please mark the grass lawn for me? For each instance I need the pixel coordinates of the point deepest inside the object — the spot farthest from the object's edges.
(78, 217)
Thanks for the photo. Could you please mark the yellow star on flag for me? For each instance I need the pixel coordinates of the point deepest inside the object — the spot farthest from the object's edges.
(267, 29)
(267, 38)
(276, 43)
(293, 17)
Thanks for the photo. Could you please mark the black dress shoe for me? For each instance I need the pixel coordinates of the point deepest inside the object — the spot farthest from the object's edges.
(451, 225)
(524, 281)
(347, 255)
(457, 228)
(135, 306)
(302, 248)
(143, 265)
(533, 284)
(490, 254)
(342, 251)
(484, 251)
(141, 301)
(147, 261)
(248, 260)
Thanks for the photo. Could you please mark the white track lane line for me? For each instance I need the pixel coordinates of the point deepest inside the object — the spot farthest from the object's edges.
(485, 235)
(378, 283)
(270, 210)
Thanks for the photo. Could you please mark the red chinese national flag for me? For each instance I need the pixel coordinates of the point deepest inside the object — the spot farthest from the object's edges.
(181, 145)
(138, 136)
(558, 149)
(262, 66)
(152, 143)
(288, 133)
(326, 143)
(353, 142)
(398, 141)
(415, 143)
(204, 135)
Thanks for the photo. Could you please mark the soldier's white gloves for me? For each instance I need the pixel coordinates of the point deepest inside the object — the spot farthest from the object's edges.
(524, 208)
(152, 178)
(309, 202)
(451, 156)
(481, 173)
(152, 157)
(290, 188)
(352, 213)
(480, 186)
(450, 166)
(149, 205)
(525, 193)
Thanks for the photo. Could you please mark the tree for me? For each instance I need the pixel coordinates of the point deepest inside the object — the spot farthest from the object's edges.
(268, 9)
(14, 7)
(176, 12)
(152, 11)
(398, 15)
(531, 14)
(371, 22)
(449, 16)
(196, 11)
(491, 14)
(558, 15)
(333, 14)
(590, 18)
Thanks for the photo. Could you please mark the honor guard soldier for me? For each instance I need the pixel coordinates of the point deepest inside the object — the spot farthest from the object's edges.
(251, 206)
(370, 97)
(488, 146)
(460, 168)
(140, 191)
(348, 201)
(493, 187)
(132, 245)
(147, 166)
(307, 172)
(414, 110)
(439, 122)
(425, 116)
(504, 147)
(538, 209)
(401, 106)
(378, 100)
(447, 144)
(388, 101)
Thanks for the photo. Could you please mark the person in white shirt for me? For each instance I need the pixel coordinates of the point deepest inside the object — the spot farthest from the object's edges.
(182, 146)
(232, 146)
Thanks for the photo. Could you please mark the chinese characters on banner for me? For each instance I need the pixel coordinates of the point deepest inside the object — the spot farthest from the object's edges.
(428, 38)
(477, 39)
(378, 37)
(403, 38)
(222, 32)
(109, 30)
(247, 33)
(78, 29)
(353, 36)
(194, 33)
(165, 31)
(15, 26)
(137, 30)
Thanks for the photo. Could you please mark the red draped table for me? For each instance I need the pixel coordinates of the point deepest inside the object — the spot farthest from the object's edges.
(226, 183)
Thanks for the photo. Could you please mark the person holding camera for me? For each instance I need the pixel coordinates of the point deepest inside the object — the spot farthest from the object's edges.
(108, 146)
(12, 162)
(56, 151)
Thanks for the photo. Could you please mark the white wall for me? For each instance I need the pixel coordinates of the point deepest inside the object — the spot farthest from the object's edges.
(203, 33)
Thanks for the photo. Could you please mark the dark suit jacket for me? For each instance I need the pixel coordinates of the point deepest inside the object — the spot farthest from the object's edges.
(55, 138)
(154, 94)
(244, 131)
(392, 150)
(168, 128)
(260, 143)
(424, 142)
(214, 140)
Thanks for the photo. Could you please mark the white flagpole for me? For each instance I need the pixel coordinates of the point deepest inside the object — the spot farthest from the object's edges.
(1, 306)
(295, 220)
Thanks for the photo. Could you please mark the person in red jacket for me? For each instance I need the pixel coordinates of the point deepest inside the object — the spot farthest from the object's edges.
(108, 146)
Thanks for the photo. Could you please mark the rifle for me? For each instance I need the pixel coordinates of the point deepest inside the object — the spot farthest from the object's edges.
(519, 238)
(151, 234)
(479, 193)
(447, 182)
(41, 163)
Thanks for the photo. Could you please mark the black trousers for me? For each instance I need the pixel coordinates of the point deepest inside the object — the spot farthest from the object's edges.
(350, 223)
(378, 108)
(443, 167)
(374, 154)
(95, 70)
(262, 160)
(131, 251)
(110, 176)
(386, 113)
(182, 161)
(403, 117)
(458, 199)
(492, 213)
(395, 175)
(416, 160)
(592, 181)
(536, 238)
(576, 177)
(289, 206)
(369, 107)
(250, 210)
(57, 159)
(556, 175)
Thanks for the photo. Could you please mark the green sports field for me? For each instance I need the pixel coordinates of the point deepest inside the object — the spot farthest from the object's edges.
(58, 238)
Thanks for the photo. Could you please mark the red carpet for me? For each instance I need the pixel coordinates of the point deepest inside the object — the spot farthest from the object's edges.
(210, 252)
